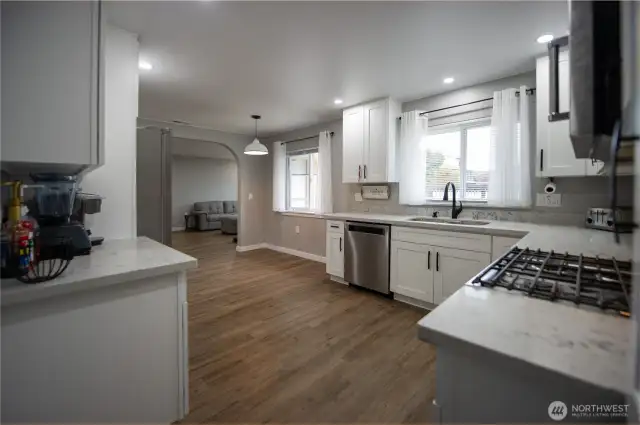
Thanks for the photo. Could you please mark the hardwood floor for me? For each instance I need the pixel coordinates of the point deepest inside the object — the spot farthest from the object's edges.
(271, 339)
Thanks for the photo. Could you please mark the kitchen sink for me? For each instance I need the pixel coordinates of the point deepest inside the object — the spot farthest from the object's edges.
(450, 221)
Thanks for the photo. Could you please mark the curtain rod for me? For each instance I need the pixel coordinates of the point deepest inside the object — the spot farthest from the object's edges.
(303, 138)
(528, 91)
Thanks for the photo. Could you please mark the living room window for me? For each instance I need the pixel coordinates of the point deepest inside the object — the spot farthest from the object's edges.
(459, 154)
(302, 180)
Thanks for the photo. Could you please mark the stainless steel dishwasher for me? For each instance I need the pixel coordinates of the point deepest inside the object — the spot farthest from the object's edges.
(366, 255)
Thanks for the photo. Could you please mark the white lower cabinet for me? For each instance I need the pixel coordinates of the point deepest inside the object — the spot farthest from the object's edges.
(430, 272)
(453, 268)
(500, 245)
(411, 273)
(335, 249)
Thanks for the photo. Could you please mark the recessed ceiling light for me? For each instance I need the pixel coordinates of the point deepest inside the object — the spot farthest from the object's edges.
(448, 80)
(145, 65)
(338, 101)
(545, 38)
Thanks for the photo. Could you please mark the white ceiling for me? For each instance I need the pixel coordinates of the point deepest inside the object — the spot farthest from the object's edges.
(216, 63)
(200, 148)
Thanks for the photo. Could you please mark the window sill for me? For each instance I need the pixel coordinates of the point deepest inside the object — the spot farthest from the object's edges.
(306, 214)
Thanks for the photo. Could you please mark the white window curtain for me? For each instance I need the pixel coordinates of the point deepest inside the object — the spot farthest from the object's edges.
(324, 200)
(413, 166)
(509, 167)
(279, 176)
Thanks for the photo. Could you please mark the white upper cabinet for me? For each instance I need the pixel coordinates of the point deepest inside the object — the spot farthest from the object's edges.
(555, 155)
(51, 83)
(369, 142)
(352, 144)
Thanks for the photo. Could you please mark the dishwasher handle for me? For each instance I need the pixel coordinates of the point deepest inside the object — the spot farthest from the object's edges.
(374, 229)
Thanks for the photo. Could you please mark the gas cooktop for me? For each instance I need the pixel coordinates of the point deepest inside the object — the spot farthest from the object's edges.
(593, 281)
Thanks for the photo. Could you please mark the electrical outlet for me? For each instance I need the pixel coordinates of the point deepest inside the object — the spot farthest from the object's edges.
(357, 196)
(549, 200)
(250, 196)
(297, 229)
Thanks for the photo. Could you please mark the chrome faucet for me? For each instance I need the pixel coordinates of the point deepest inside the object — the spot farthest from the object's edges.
(455, 211)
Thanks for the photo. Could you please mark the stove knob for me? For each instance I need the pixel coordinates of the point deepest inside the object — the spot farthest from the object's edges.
(610, 223)
(589, 220)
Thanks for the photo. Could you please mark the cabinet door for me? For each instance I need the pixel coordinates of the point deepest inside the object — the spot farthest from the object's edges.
(500, 245)
(352, 144)
(376, 138)
(555, 155)
(412, 270)
(453, 268)
(594, 168)
(50, 81)
(335, 254)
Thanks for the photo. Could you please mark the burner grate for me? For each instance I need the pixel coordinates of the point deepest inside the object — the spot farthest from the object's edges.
(600, 282)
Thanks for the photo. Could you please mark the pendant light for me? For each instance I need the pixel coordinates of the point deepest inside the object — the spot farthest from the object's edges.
(255, 147)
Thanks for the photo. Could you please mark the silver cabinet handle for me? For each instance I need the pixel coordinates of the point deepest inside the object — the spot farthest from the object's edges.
(359, 170)
(341, 244)
(429, 261)
(365, 171)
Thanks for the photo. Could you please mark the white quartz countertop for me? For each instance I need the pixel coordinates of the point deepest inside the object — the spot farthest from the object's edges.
(574, 240)
(578, 342)
(113, 262)
(585, 345)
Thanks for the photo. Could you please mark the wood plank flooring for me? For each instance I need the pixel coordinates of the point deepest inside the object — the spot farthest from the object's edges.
(271, 339)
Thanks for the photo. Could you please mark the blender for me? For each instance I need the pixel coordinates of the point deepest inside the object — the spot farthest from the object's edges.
(59, 209)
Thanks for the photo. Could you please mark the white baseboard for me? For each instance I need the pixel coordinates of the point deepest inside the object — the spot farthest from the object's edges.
(414, 302)
(301, 254)
(246, 248)
(338, 279)
(177, 229)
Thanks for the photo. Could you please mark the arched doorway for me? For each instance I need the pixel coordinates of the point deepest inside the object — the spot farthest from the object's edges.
(205, 188)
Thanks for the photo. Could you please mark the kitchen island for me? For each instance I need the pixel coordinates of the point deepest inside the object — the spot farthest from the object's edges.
(104, 342)
(506, 357)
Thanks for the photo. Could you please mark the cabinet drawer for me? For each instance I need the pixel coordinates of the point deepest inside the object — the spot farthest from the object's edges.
(335, 226)
(457, 240)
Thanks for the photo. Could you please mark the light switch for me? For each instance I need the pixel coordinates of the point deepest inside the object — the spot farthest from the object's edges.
(549, 200)
(250, 196)
(297, 229)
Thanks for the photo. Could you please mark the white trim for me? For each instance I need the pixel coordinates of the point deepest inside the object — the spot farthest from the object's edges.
(295, 252)
(251, 247)
(301, 254)
(414, 302)
(301, 214)
(338, 279)
(178, 229)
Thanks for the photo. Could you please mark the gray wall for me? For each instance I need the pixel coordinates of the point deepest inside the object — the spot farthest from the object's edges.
(578, 193)
(252, 172)
(280, 229)
(196, 179)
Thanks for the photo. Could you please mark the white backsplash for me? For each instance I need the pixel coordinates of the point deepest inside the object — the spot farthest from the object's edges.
(578, 195)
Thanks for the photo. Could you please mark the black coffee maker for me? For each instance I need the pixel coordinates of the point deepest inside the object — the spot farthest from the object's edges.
(60, 211)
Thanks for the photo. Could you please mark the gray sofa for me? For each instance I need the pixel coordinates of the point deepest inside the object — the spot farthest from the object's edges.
(208, 215)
